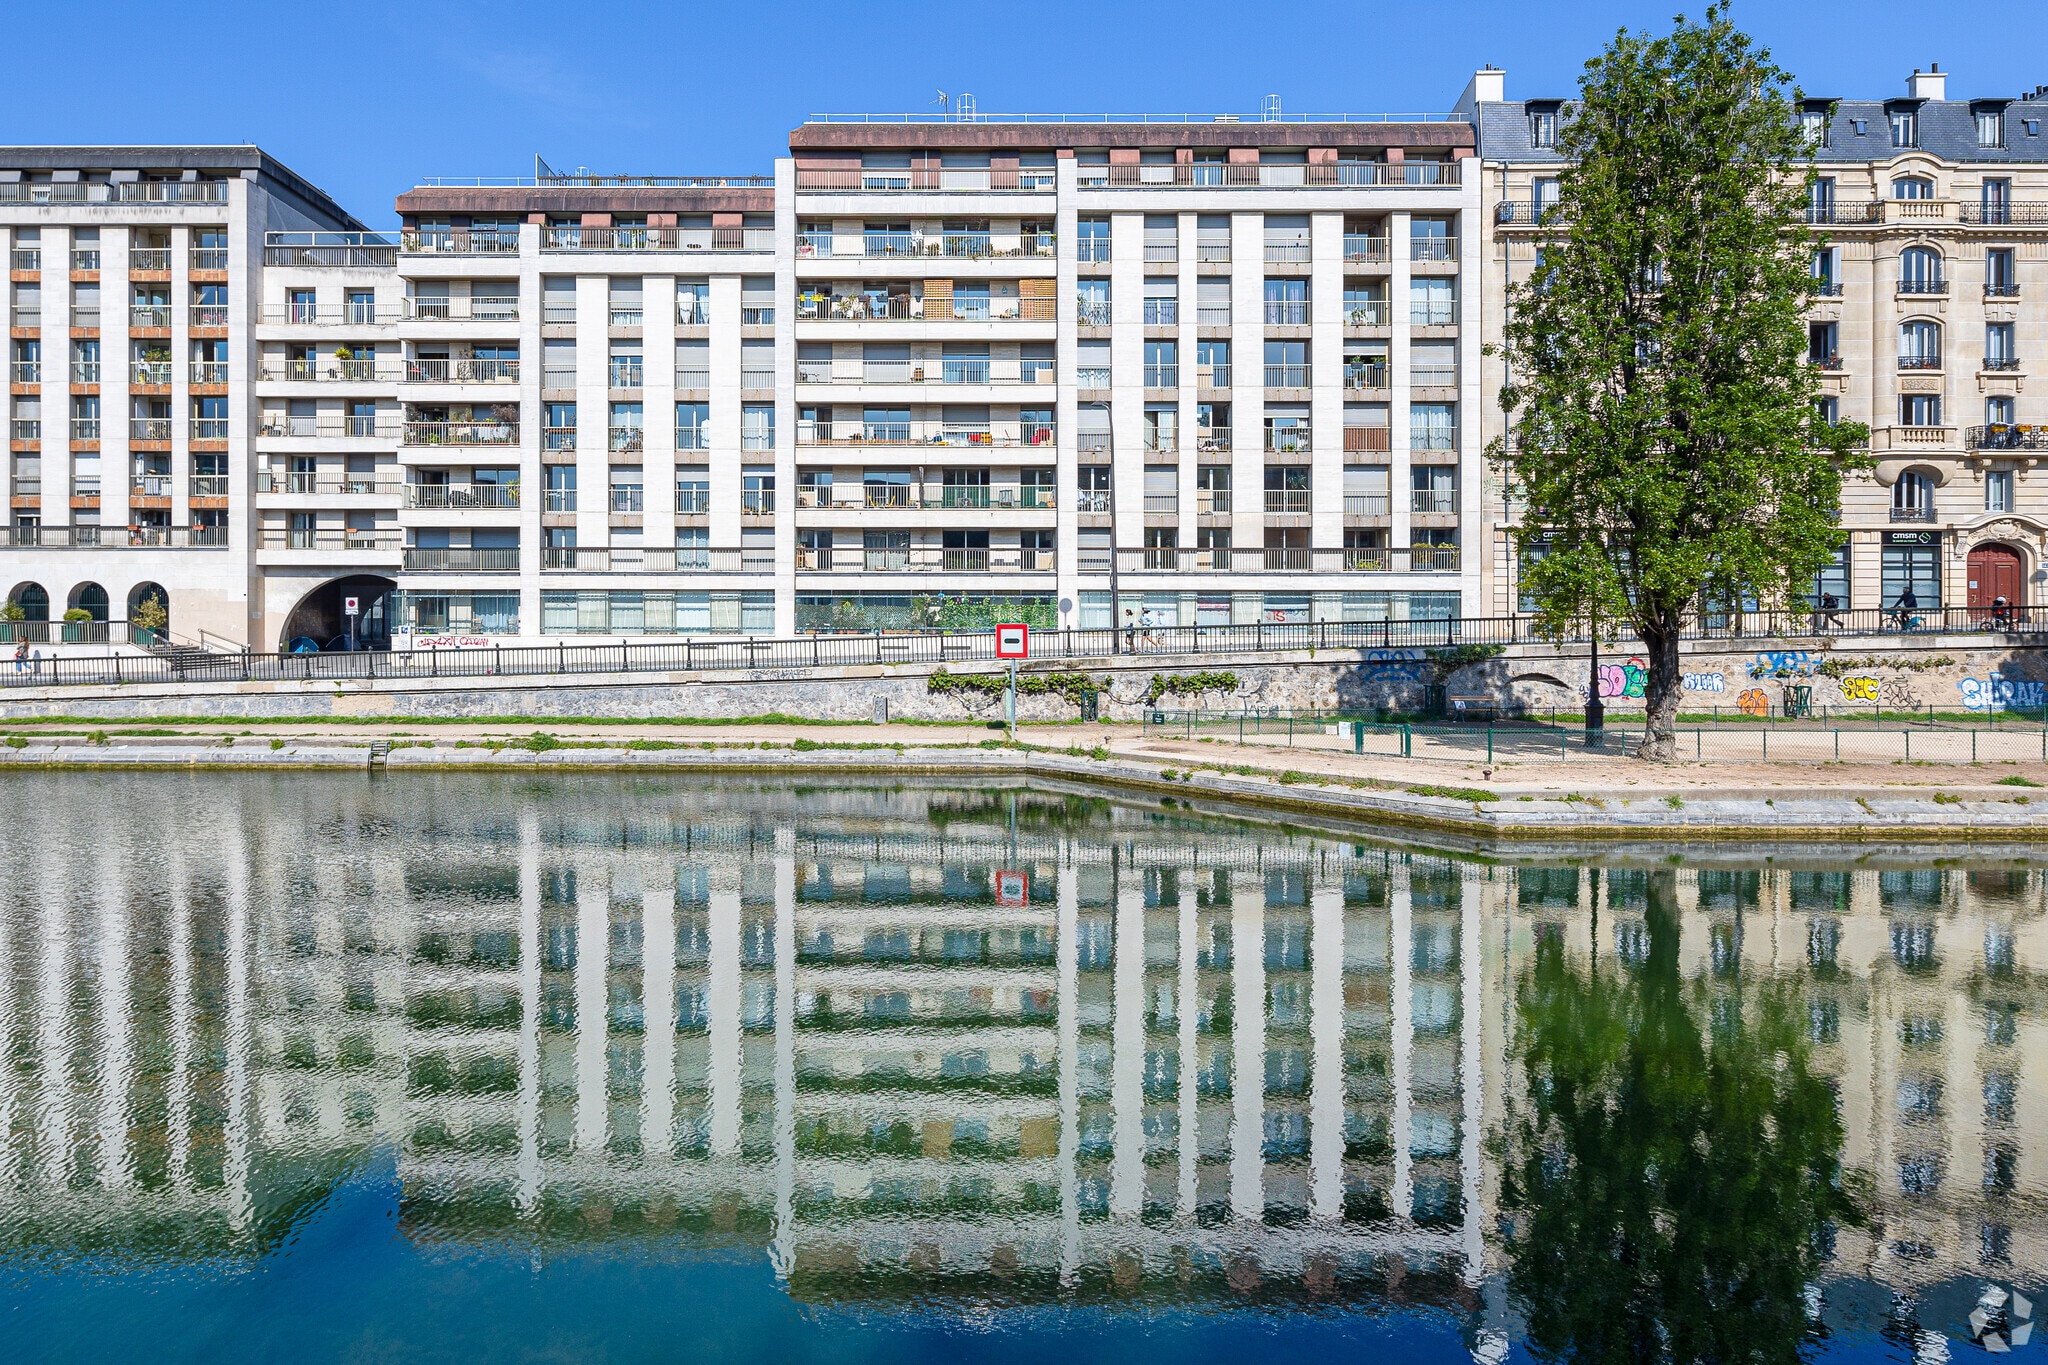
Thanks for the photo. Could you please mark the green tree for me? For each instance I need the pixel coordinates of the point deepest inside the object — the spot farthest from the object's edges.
(1669, 1186)
(1666, 433)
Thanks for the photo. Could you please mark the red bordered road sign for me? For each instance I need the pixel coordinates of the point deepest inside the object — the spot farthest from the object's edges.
(1013, 642)
(1011, 887)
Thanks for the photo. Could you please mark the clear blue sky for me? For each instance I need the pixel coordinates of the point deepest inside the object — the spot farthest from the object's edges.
(363, 97)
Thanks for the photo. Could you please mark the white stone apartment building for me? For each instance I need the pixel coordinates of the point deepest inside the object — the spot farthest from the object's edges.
(1928, 320)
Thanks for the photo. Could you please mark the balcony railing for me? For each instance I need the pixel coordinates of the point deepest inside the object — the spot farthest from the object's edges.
(1368, 438)
(924, 180)
(757, 502)
(462, 495)
(1288, 376)
(1367, 504)
(461, 560)
(309, 485)
(459, 242)
(759, 239)
(1162, 376)
(461, 310)
(356, 249)
(1377, 376)
(31, 372)
(1263, 560)
(1919, 362)
(1287, 502)
(149, 260)
(1913, 513)
(919, 432)
(625, 440)
(2006, 438)
(25, 258)
(687, 559)
(85, 372)
(2001, 362)
(85, 429)
(687, 438)
(149, 316)
(357, 539)
(1288, 253)
(906, 308)
(1923, 287)
(2004, 215)
(173, 192)
(208, 486)
(2002, 290)
(1527, 212)
(350, 427)
(113, 538)
(207, 315)
(462, 371)
(1370, 313)
(1432, 249)
(209, 428)
(1162, 312)
(1088, 313)
(150, 486)
(149, 428)
(1435, 502)
(462, 433)
(950, 245)
(1275, 176)
(1432, 438)
(1433, 376)
(1364, 249)
(1287, 313)
(1431, 314)
(1212, 250)
(26, 429)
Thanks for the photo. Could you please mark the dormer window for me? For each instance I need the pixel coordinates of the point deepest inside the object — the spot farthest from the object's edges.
(1543, 126)
(1990, 126)
(1905, 121)
(1813, 122)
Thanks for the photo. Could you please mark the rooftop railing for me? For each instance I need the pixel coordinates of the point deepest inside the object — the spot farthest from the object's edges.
(358, 249)
(756, 239)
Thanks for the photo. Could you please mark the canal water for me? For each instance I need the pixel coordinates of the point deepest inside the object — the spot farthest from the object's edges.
(592, 1068)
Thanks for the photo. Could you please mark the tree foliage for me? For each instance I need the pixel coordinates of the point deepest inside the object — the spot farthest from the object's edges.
(1666, 437)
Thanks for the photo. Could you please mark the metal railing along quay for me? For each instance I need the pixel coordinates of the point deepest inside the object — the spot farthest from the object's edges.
(936, 646)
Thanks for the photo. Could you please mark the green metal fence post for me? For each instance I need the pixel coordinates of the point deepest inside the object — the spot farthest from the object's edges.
(1695, 743)
(1973, 744)
(1357, 736)
(1407, 741)
(1489, 742)
(1838, 746)
(1909, 746)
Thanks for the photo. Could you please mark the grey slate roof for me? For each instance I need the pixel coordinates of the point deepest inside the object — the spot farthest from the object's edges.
(220, 159)
(1948, 131)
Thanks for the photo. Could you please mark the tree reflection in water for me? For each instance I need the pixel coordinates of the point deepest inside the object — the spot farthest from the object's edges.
(1671, 1178)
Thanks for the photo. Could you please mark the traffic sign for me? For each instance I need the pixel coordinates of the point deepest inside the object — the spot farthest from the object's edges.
(1013, 642)
(348, 607)
(1012, 887)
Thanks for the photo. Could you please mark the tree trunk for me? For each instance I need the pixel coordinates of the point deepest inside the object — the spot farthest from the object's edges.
(1661, 690)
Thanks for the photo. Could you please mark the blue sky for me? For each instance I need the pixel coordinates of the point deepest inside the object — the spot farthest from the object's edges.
(364, 97)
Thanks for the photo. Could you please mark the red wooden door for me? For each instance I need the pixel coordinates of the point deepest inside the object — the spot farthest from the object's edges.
(1994, 573)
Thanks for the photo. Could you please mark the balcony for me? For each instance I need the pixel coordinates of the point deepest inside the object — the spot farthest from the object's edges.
(30, 372)
(460, 310)
(461, 495)
(2005, 290)
(204, 315)
(1367, 504)
(319, 371)
(1432, 438)
(461, 560)
(208, 259)
(757, 239)
(113, 537)
(1212, 440)
(348, 539)
(1527, 212)
(1162, 376)
(208, 486)
(1433, 502)
(1287, 502)
(1911, 437)
(149, 260)
(461, 371)
(1092, 251)
(1212, 250)
(924, 180)
(1089, 313)
(1421, 559)
(972, 246)
(349, 249)
(1996, 363)
(149, 317)
(27, 259)
(459, 242)
(1288, 376)
(1923, 288)
(462, 433)
(311, 485)
(1374, 376)
(907, 308)
(1919, 362)
(85, 372)
(1363, 249)
(1432, 249)
(1913, 514)
(963, 495)
(920, 432)
(1162, 312)
(1368, 439)
(209, 428)
(1433, 376)
(149, 428)
(1431, 314)
(922, 559)
(1271, 176)
(1287, 312)
(1368, 313)
(1825, 289)
(757, 502)
(85, 261)
(289, 425)
(2004, 215)
(172, 192)
(2006, 438)
(85, 430)
(624, 440)
(1288, 253)
(688, 559)
(150, 486)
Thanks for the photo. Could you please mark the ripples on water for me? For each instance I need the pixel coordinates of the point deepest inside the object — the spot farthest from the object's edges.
(478, 1068)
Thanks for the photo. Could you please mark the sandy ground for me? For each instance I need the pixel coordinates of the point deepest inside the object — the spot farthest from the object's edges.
(1799, 763)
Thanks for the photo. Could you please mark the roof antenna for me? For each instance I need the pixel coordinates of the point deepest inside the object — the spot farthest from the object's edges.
(945, 104)
(1272, 108)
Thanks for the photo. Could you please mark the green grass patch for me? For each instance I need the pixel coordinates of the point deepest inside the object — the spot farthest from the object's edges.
(2016, 781)
(1473, 794)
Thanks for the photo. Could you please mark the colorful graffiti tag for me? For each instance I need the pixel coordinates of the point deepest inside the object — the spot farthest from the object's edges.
(1753, 702)
(1404, 665)
(1999, 692)
(1705, 682)
(1790, 663)
(1623, 680)
(1859, 689)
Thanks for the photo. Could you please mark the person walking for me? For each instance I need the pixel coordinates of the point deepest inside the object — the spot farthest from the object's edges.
(21, 657)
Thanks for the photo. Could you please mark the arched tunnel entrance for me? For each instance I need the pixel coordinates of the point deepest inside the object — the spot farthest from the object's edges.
(319, 616)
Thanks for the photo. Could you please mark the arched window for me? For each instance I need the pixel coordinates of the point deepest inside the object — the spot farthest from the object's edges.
(1912, 187)
(90, 597)
(33, 601)
(1920, 270)
(1919, 345)
(1913, 497)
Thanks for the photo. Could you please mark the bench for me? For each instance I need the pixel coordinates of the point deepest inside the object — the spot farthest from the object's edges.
(1473, 707)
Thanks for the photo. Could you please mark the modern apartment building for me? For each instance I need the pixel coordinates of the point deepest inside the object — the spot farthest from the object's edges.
(1929, 315)
(131, 323)
(929, 373)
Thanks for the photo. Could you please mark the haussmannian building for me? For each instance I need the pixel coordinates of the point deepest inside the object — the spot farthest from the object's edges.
(928, 372)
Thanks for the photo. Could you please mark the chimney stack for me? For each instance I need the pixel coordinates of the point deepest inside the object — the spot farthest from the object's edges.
(1929, 84)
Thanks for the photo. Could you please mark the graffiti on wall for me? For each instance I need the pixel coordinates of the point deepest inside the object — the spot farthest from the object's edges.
(1999, 692)
(1859, 689)
(1772, 663)
(1396, 665)
(1753, 702)
(1705, 682)
(1623, 680)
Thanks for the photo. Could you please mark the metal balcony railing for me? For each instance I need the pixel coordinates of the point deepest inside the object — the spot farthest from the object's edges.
(459, 242)
(1367, 504)
(1430, 249)
(684, 559)
(1377, 376)
(308, 485)
(2006, 437)
(1287, 502)
(751, 239)
(462, 433)
(149, 316)
(461, 495)
(1288, 376)
(1913, 513)
(1368, 313)
(1929, 287)
(149, 428)
(1288, 313)
(461, 310)
(461, 371)
(461, 560)
(1433, 501)
(1250, 560)
(149, 260)
(1288, 253)
(209, 428)
(919, 432)
(1365, 249)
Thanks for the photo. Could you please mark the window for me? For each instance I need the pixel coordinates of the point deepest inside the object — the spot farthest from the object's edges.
(693, 426)
(1910, 562)
(1287, 365)
(1092, 368)
(1998, 410)
(1432, 303)
(1813, 122)
(1542, 126)
(1912, 187)
(2000, 281)
(1212, 364)
(1996, 201)
(1433, 426)
(559, 431)
(757, 492)
(1820, 200)
(561, 490)
(1998, 347)
(1092, 302)
(1912, 497)
(757, 427)
(1287, 303)
(1905, 122)
(1991, 127)
(628, 488)
(1919, 345)
(1920, 409)
(1092, 239)
(1162, 365)
(1162, 301)
(693, 490)
(625, 428)
(1433, 489)
(1830, 410)
(1998, 491)
(1920, 271)
(1831, 584)
(1827, 281)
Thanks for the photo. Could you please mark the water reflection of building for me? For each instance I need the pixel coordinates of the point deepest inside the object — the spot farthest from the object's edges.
(1164, 1059)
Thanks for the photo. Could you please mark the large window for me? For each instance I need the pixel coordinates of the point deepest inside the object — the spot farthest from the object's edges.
(1919, 345)
(1911, 561)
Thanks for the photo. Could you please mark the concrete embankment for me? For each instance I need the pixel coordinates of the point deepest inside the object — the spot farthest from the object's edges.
(1975, 815)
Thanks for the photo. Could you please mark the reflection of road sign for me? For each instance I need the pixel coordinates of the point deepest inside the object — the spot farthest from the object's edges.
(1011, 888)
(348, 606)
(1013, 642)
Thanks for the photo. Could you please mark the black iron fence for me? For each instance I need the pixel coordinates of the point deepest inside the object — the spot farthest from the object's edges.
(838, 651)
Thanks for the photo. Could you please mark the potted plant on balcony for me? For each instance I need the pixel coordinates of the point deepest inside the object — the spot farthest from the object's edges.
(342, 356)
(74, 624)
